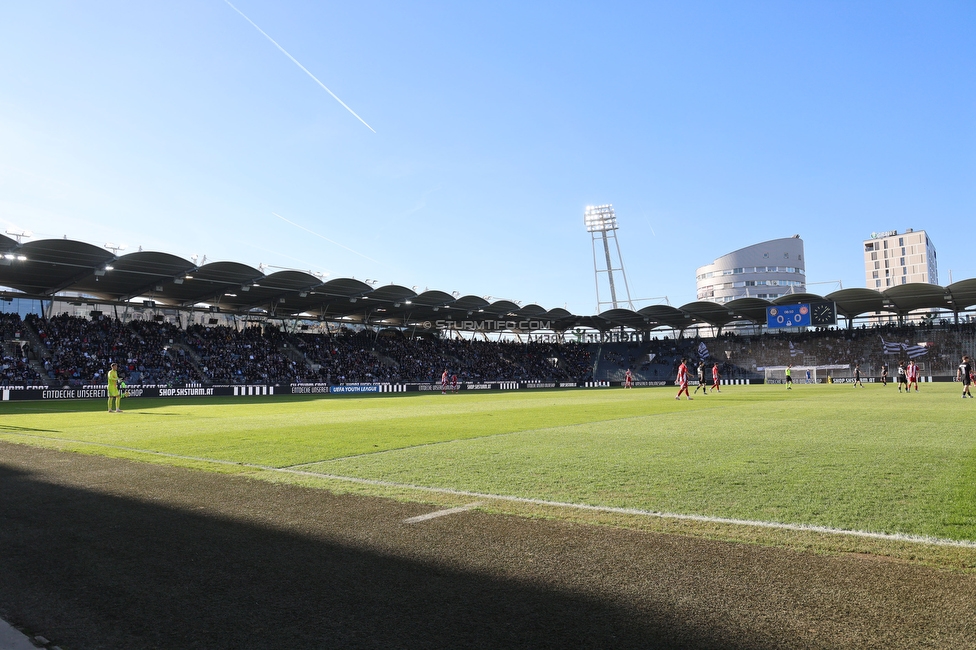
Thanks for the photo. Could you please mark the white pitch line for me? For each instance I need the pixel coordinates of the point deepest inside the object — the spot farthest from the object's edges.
(774, 525)
(441, 513)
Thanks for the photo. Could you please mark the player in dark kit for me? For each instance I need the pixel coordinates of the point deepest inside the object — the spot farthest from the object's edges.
(965, 375)
(857, 376)
(902, 376)
(701, 379)
(884, 374)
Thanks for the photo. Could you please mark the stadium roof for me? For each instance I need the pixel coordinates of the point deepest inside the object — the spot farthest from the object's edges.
(50, 268)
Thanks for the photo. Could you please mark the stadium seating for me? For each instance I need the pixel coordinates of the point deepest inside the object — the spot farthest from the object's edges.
(68, 350)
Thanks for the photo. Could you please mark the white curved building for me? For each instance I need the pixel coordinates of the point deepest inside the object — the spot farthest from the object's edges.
(765, 270)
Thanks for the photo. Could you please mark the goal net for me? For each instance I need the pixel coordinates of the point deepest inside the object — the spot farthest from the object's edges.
(800, 374)
(803, 374)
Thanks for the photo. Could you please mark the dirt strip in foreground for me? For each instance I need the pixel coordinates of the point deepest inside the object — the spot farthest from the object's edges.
(104, 553)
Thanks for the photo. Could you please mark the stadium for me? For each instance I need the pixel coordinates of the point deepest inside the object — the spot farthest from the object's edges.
(227, 433)
(172, 324)
(335, 388)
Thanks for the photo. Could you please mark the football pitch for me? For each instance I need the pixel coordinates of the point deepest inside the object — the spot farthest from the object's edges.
(825, 467)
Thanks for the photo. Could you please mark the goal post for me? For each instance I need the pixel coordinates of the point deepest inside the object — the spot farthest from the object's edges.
(800, 374)
(804, 374)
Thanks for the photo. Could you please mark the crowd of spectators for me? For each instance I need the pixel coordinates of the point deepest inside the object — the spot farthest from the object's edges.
(938, 347)
(15, 354)
(78, 351)
(159, 359)
(356, 357)
(346, 358)
(248, 356)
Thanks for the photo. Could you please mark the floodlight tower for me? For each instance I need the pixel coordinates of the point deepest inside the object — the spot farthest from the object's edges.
(601, 223)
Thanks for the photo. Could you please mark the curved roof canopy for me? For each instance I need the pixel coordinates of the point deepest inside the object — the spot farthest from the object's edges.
(854, 302)
(963, 293)
(48, 267)
(666, 316)
(753, 309)
(627, 318)
(909, 297)
(713, 313)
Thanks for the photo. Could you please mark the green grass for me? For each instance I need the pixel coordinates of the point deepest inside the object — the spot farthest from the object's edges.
(854, 459)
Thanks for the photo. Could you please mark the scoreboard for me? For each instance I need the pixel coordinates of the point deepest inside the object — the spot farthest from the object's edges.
(788, 316)
(801, 315)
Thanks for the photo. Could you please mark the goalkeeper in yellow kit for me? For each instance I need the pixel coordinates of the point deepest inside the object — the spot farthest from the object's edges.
(114, 393)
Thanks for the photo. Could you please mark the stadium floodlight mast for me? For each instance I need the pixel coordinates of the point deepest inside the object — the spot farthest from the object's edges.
(601, 223)
(19, 235)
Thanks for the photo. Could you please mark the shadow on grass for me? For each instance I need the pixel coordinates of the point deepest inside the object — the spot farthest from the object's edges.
(92, 570)
(96, 404)
(16, 429)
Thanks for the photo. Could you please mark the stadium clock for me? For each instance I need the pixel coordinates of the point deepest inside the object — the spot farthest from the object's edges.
(823, 313)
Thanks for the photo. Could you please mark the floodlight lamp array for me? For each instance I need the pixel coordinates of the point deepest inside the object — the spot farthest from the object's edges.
(600, 218)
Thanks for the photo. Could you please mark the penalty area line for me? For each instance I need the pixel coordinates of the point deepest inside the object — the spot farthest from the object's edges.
(773, 525)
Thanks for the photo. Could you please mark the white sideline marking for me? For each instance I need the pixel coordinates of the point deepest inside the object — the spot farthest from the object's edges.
(441, 513)
(891, 537)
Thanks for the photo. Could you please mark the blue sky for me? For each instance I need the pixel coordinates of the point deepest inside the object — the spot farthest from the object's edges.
(710, 126)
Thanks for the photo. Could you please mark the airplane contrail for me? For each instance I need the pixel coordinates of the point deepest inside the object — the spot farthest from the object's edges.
(649, 225)
(325, 238)
(295, 61)
(324, 272)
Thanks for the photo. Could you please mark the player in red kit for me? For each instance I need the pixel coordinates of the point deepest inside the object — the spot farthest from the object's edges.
(444, 382)
(682, 379)
(715, 378)
(454, 386)
(912, 373)
(629, 379)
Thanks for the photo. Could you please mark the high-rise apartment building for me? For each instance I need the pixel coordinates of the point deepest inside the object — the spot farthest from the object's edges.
(891, 259)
